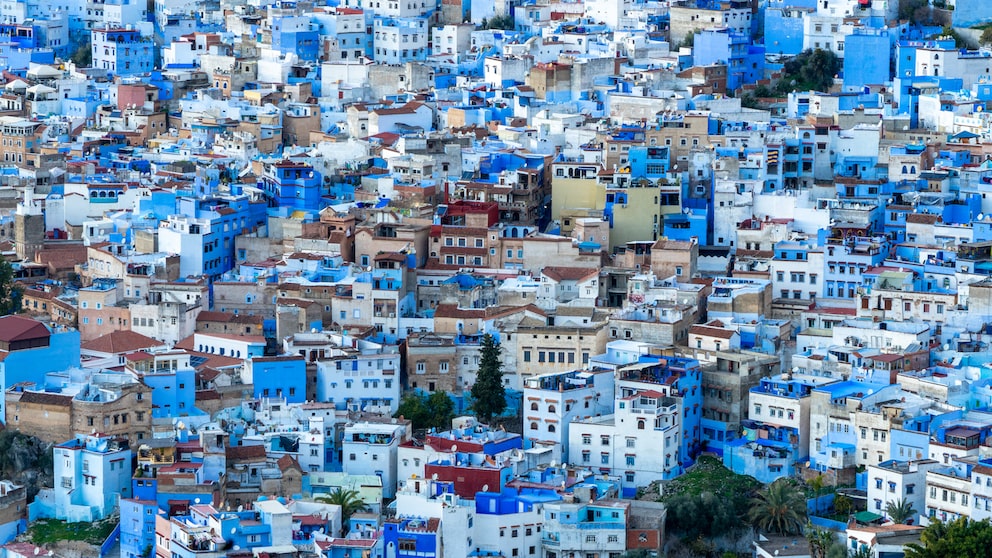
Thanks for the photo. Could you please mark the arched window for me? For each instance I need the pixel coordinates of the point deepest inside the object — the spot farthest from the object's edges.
(551, 428)
(533, 426)
(904, 169)
(640, 424)
(533, 406)
(551, 408)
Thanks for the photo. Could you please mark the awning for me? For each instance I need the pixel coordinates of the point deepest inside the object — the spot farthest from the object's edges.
(866, 517)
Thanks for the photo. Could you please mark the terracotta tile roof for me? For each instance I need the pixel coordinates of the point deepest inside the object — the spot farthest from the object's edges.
(711, 331)
(19, 328)
(923, 218)
(453, 311)
(212, 316)
(560, 274)
(244, 452)
(63, 257)
(44, 398)
(287, 462)
(121, 342)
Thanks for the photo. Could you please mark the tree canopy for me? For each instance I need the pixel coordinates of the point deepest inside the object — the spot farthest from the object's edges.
(433, 411)
(10, 291)
(963, 538)
(350, 501)
(899, 511)
(499, 21)
(810, 70)
(708, 500)
(779, 508)
(488, 393)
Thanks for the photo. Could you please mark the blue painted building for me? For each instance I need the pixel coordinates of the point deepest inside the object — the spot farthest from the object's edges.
(869, 63)
(93, 472)
(280, 376)
(173, 392)
(845, 261)
(295, 35)
(122, 52)
(137, 526)
(203, 230)
(651, 162)
(33, 350)
(783, 23)
(834, 441)
(745, 61)
(291, 184)
(412, 537)
(775, 436)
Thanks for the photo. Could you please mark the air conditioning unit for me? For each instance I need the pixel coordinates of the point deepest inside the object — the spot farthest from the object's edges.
(392, 314)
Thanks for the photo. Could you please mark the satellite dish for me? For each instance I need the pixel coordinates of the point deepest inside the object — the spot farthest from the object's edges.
(981, 216)
(241, 509)
(37, 551)
(434, 476)
(485, 488)
(234, 529)
(454, 447)
(196, 500)
(947, 347)
(553, 463)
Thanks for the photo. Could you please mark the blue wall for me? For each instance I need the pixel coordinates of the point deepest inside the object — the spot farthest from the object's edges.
(137, 526)
(284, 376)
(870, 66)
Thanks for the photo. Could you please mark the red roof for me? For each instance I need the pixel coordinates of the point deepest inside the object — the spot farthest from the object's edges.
(18, 328)
(121, 342)
(560, 274)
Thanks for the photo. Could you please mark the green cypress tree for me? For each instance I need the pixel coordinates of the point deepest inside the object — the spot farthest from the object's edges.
(488, 393)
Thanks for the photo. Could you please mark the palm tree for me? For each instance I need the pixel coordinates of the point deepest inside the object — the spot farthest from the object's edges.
(900, 510)
(350, 501)
(820, 541)
(779, 508)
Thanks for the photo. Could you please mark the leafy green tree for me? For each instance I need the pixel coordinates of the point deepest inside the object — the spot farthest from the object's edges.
(843, 505)
(820, 541)
(708, 501)
(779, 508)
(350, 501)
(440, 410)
(900, 510)
(83, 56)
(488, 393)
(962, 537)
(413, 407)
(434, 411)
(10, 291)
(499, 21)
(915, 11)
